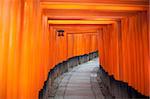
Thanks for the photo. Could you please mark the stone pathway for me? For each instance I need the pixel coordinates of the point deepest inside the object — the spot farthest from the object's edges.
(80, 83)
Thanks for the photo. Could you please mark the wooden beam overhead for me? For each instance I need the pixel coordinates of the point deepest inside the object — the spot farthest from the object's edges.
(83, 18)
(84, 14)
(81, 22)
(137, 2)
(94, 6)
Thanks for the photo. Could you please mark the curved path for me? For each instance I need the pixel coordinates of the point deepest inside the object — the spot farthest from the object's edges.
(80, 83)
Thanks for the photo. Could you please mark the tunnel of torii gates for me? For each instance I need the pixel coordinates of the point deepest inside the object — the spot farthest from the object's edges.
(30, 46)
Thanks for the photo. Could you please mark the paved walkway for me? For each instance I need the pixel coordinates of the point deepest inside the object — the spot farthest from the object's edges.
(80, 83)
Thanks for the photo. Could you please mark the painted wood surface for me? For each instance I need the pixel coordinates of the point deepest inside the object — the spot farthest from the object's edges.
(29, 46)
(124, 51)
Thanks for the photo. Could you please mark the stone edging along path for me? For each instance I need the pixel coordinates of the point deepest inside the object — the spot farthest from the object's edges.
(56, 74)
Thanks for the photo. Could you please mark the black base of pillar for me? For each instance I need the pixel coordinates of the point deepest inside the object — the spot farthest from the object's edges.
(118, 89)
